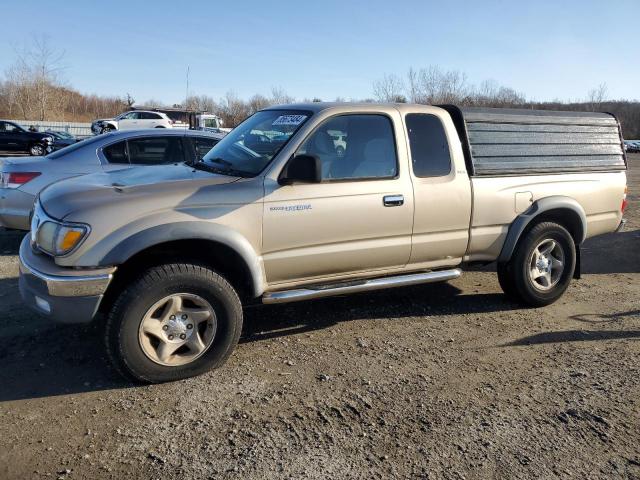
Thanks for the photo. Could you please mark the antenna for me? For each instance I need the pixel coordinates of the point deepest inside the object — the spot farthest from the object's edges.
(187, 92)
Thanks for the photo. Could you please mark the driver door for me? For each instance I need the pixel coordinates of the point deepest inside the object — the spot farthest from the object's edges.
(12, 137)
(358, 220)
(130, 121)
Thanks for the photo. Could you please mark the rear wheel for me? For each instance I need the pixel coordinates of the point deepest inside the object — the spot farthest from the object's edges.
(541, 267)
(173, 322)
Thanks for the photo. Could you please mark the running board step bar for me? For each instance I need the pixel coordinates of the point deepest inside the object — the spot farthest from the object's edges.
(343, 288)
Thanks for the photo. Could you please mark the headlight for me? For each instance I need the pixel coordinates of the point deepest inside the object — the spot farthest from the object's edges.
(60, 238)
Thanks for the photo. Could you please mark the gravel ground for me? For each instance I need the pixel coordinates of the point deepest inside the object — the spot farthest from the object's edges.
(437, 381)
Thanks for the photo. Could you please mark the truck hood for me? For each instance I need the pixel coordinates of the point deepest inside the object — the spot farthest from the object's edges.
(150, 184)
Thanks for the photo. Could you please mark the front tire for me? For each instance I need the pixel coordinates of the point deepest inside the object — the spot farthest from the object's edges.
(37, 150)
(541, 267)
(175, 321)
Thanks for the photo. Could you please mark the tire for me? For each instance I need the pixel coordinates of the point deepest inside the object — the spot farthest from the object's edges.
(505, 281)
(37, 150)
(139, 309)
(159, 126)
(541, 266)
(107, 129)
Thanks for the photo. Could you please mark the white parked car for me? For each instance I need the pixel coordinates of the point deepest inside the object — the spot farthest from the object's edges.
(133, 120)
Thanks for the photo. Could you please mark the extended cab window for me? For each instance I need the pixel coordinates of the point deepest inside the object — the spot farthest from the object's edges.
(354, 147)
(430, 154)
(155, 150)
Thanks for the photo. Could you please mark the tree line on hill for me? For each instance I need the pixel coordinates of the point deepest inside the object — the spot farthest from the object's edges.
(33, 88)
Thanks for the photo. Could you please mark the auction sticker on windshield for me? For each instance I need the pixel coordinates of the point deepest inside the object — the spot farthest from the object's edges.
(289, 120)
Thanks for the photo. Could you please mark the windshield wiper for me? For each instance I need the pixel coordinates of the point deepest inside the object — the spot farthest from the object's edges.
(222, 171)
(221, 161)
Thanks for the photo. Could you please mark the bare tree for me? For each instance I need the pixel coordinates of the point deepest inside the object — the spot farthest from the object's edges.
(201, 103)
(597, 95)
(280, 97)
(413, 88)
(232, 109)
(153, 103)
(257, 102)
(388, 89)
(33, 79)
(129, 100)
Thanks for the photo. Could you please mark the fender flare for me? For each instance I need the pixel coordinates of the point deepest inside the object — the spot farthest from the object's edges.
(123, 250)
(519, 225)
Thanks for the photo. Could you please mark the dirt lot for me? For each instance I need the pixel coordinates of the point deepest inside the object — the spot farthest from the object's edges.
(438, 381)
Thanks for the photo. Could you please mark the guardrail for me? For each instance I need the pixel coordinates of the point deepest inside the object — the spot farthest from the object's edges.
(78, 129)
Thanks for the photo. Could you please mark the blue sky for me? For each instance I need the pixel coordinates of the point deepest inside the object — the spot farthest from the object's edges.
(544, 49)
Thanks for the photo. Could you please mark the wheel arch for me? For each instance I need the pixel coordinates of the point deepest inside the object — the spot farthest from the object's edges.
(565, 211)
(221, 248)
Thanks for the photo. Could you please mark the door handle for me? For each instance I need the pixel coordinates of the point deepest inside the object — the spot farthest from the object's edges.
(393, 200)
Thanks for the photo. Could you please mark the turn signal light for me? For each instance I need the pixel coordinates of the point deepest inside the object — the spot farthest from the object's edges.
(624, 200)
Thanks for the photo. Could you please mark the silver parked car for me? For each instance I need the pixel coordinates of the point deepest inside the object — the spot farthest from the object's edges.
(22, 179)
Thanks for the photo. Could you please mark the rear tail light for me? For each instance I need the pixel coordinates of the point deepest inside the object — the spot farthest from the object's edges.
(624, 200)
(17, 179)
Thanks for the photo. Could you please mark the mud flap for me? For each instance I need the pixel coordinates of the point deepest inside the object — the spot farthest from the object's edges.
(576, 272)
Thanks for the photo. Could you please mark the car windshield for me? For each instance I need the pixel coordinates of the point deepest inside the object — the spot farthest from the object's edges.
(249, 147)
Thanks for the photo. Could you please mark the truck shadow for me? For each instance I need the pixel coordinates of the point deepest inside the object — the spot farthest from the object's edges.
(573, 336)
(40, 359)
(583, 335)
(612, 253)
(439, 299)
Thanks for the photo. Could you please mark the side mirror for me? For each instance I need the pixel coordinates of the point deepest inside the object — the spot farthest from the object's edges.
(301, 169)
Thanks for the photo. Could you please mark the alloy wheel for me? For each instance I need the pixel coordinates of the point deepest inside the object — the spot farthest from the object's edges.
(177, 329)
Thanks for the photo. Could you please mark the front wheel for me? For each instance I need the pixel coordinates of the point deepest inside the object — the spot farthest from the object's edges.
(173, 322)
(541, 267)
(37, 150)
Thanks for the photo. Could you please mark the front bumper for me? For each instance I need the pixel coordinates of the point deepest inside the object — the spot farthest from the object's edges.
(15, 208)
(63, 294)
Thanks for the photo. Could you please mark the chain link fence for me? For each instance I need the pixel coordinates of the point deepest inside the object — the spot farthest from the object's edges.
(77, 129)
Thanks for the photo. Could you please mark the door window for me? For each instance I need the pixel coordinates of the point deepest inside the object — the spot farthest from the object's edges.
(116, 152)
(9, 127)
(203, 145)
(430, 155)
(354, 147)
(149, 116)
(155, 150)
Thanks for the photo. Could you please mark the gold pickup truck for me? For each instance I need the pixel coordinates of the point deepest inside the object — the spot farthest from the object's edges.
(279, 211)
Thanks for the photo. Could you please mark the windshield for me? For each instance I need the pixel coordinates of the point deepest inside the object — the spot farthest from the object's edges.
(249, 147)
